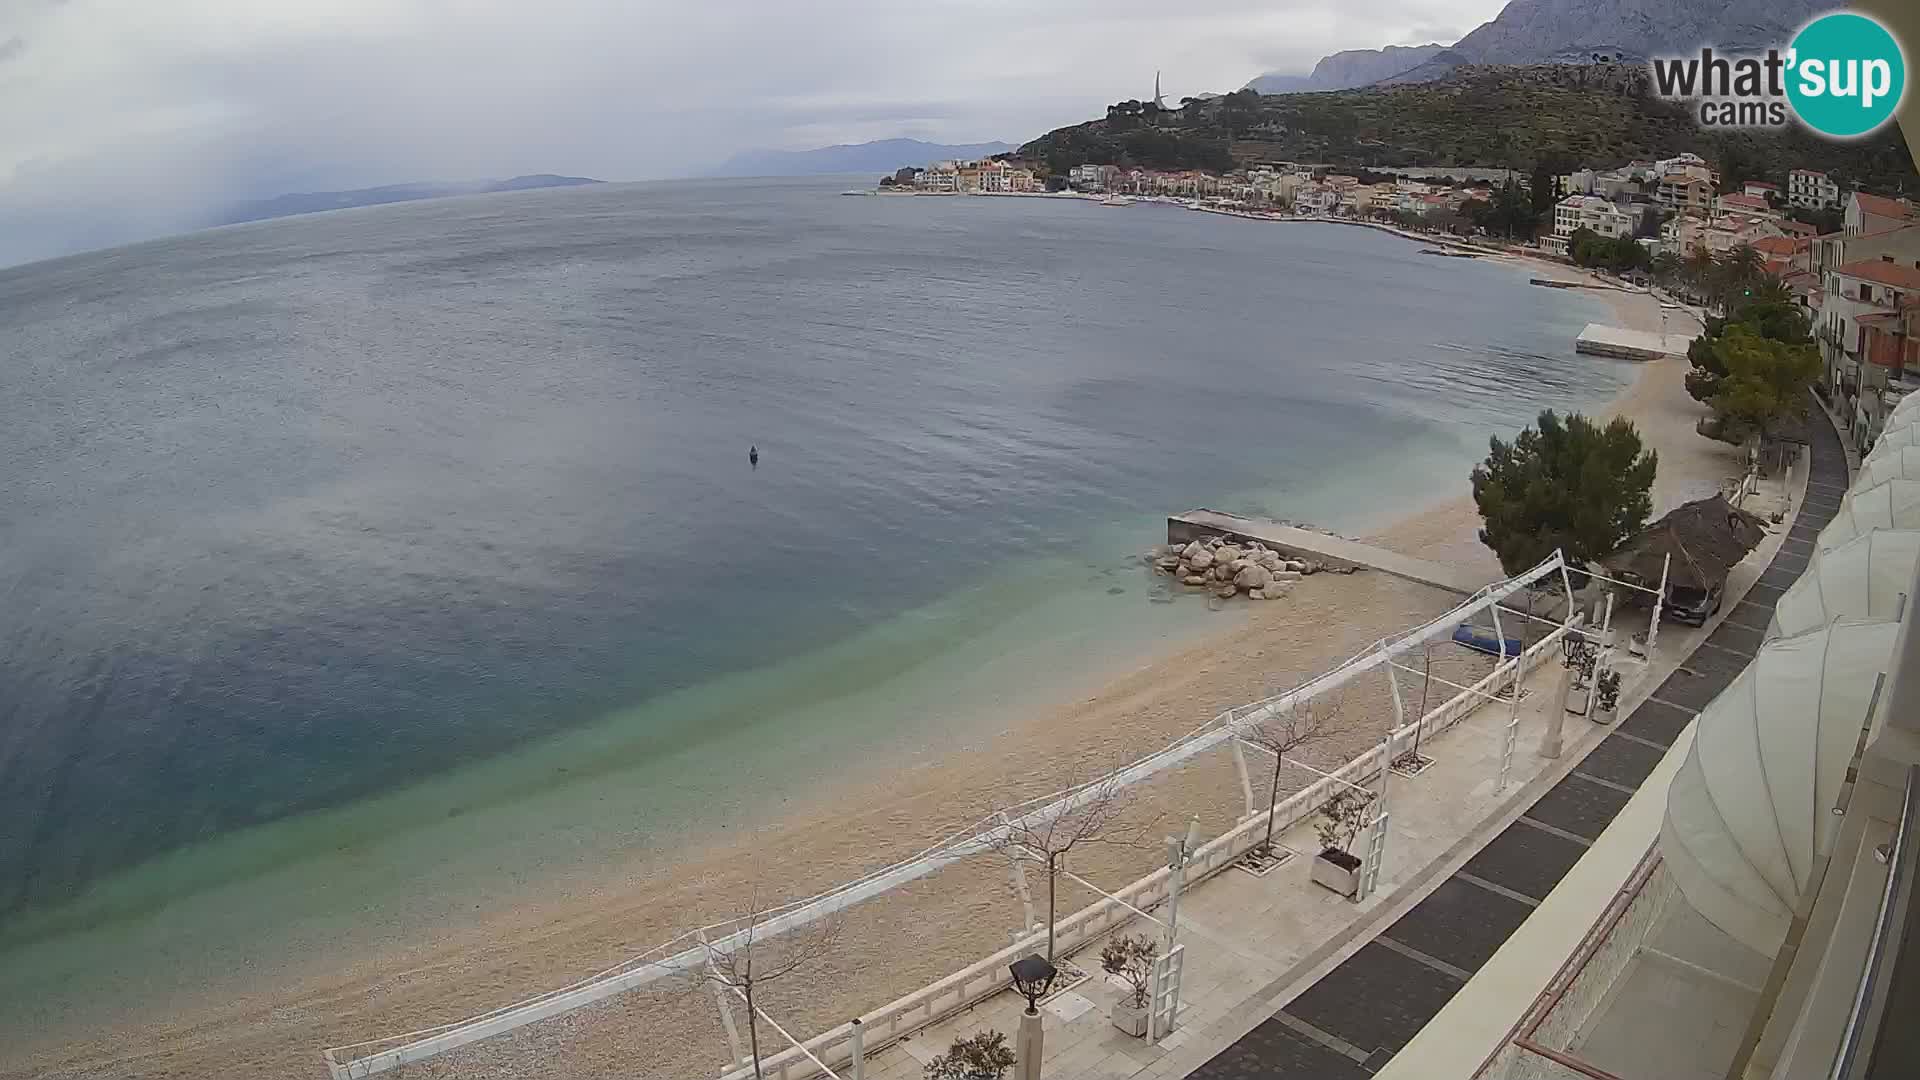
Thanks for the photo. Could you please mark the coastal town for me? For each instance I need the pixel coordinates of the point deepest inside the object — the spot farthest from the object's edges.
(1850, 258)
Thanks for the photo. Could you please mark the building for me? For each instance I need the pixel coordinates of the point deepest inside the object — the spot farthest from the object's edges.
(1875, 213)
(1684, 193)
(1854, 293)
(1576, 212)
(1092, 177)
(939, 176)
(1745, 204)
(1760, 189)
(1811, 189)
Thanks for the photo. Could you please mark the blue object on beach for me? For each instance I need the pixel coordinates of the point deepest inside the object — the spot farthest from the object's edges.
(1466, 634)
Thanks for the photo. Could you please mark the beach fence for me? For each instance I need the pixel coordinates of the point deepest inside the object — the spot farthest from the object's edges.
(689, 953)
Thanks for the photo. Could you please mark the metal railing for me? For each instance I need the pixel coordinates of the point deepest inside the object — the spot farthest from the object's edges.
(1869, 998)
(689, 952)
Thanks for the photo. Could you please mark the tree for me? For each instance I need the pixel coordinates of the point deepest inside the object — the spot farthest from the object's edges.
(1765, 307)
(984, 1056)
(1570, 485)
(1095, 813)
(1697, 270)
(1766, 381)
(1665, 267)
(1282, 731)
(749, 958)
(1130, 959)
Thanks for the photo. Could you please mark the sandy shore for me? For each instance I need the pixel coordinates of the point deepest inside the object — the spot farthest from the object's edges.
(884, 811)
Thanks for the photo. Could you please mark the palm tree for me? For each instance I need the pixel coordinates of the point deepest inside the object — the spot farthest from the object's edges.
(1697, 270)
(1665, 267)
(1738, 270)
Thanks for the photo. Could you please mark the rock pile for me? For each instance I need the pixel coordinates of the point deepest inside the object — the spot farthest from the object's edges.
(1227, 569)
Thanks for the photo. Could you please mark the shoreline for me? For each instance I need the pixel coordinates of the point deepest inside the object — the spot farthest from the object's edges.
(833, 833)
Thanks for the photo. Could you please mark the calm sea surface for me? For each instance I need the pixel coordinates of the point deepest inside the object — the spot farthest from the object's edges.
(445, 507)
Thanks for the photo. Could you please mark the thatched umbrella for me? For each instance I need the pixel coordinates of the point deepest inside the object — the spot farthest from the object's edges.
(1704, 538)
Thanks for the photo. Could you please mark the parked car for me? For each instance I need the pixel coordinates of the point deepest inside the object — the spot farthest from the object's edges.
(1693, 606)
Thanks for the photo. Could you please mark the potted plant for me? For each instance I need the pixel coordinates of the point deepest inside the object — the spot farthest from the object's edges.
(985, 1056)
(1606, 696)
(1341, 819)
(1131, 958)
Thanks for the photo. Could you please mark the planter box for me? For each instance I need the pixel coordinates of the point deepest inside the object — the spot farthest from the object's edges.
(1129, 1019)
(1337, 870)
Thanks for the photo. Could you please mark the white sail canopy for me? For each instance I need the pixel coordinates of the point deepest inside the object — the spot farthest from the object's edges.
(1892, 504)
(1896, 438)
(1749, 811)
(1897, 463)
(1862, 578)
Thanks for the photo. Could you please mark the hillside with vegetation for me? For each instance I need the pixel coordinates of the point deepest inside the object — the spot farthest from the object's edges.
(1554, 117)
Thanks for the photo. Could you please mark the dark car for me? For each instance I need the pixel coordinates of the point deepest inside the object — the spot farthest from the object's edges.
(1693, 606)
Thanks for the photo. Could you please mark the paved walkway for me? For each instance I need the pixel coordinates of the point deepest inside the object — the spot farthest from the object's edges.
(1352, 1020)
(1332, 551)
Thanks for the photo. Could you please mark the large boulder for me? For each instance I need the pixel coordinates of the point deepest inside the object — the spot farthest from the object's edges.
(1269, 559)
(1228, 553)
(1200, 559)
(1167, 564)
(1222, 572)
(1286, 575)
(1193, 579)
(1253, 577)
(1192, 549)
(1226, 592)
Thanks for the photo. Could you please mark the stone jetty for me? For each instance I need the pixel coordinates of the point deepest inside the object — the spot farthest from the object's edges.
(1227, 569)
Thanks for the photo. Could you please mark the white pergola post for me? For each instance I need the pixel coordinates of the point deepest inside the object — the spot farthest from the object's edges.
(1246, 778)
(1019, 875)
(859, 1050)
(1606, 620)
(1512, 734)
(1653, 627)
(726, 1010)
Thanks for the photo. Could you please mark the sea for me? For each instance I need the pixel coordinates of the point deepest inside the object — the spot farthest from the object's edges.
(374, 560)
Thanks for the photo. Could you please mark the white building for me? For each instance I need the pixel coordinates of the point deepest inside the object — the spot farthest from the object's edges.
(1576, 212)
(1811, 189)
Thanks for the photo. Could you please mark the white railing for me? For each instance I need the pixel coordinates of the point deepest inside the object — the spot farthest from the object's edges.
(687, 953)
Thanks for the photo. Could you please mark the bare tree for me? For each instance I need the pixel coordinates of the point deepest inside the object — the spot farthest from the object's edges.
(1282, 731)
(1095, 813)
(752, 956)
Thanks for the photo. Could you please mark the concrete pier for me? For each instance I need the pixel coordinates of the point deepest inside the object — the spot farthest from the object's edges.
(1332, 552)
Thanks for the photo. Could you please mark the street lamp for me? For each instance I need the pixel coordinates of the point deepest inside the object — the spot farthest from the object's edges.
(1032, 976)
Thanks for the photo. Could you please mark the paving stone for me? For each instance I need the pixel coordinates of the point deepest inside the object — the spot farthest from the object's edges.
(1460, 923)
(1779, 577)
(1693, 687)
(1378, 999)
(1737, 638)
(1527, 860)
(1657, 721)
(1579, 806)
(1623, 761)
(1275, 1050)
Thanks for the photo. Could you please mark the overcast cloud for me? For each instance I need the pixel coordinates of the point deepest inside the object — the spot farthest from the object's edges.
(127, 118)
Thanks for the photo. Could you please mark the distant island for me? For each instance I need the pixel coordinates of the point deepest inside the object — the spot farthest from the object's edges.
(882, 156)
(313, 202)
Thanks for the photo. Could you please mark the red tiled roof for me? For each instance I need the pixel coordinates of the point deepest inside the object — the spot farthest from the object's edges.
(1744, 202)
(1798, 228)
(1761, 184)
(1884, 273)
(1776, 245)
(1881, 206)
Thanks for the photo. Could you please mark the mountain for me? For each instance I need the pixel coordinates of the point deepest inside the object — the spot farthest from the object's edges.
(1584, 31)
(313, 202)
(1554, 116)
(1344, 70)
(883, 156)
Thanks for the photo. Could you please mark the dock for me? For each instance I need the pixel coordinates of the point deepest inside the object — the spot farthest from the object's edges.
(1623, 344)
(1332, 552)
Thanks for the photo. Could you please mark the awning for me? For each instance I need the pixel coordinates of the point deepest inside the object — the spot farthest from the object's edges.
(1862, 578)
(1894, 504)
(1749, 812)
(1898, 463)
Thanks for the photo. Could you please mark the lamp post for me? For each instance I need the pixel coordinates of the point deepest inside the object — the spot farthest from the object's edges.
(1032, 976)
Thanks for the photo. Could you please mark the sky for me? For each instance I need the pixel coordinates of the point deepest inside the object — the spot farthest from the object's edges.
(128, 118)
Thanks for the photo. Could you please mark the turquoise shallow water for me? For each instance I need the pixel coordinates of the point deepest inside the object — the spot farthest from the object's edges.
(360, 565)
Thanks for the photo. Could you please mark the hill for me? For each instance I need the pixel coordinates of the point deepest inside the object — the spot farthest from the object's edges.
(1346, 70)
(1558, 117)
(882, 156)
(313, 202)
(1574, 32)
